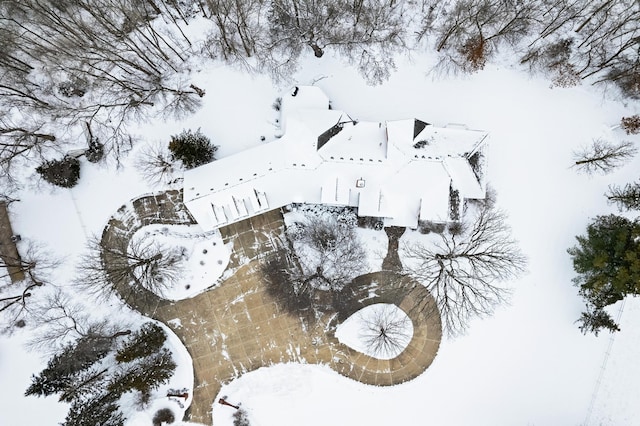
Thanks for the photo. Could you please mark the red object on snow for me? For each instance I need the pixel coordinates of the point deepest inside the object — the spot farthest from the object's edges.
(224, 402)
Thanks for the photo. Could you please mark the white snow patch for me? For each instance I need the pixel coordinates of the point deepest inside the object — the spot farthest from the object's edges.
(359, 329)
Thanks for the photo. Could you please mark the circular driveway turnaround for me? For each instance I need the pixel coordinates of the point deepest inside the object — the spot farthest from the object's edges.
(237, 327)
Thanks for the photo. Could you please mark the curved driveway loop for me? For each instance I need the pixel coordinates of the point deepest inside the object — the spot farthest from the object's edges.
(237, 327)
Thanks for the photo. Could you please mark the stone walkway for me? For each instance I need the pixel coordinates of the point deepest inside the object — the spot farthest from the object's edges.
(237, 327)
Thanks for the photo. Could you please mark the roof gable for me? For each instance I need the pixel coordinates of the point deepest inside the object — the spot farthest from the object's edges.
(418, 126)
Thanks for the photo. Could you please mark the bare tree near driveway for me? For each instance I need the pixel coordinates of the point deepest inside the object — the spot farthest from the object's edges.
(466, 272)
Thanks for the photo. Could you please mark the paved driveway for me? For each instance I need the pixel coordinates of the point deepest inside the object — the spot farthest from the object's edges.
(238, 327)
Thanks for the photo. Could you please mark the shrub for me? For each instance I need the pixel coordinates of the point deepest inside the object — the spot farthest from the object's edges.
(64, 173)
(371, 222)
(427, 226)
(456, 228)
(95, 151)
(277, 104)
(240, 418)
(631, 125)
(73, 88)
(454, 204)
(192, 148)
(474, 52)
(164, 415)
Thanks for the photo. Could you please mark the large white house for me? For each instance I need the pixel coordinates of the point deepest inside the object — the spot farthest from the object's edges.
(399, 171)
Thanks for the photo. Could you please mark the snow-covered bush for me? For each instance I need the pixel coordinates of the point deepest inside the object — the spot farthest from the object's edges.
(64, 172)
(277, 104)
(371, 222)
(73, 88)
(454, 204)
(95, 151)
(344, 215)
(455, 227)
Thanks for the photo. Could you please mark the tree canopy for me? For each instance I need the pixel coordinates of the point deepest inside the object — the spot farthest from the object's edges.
(607, 261)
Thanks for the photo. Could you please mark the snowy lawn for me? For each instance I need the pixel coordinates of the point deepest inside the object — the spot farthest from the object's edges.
(528, 364)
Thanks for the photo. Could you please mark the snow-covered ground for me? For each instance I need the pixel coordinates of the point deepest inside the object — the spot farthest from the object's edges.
(381, 330)
(526, 365)
(202, 257)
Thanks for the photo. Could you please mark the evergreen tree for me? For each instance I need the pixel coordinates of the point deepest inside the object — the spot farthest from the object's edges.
(101, 410)
(64, 173)
(594, 320)
(143, 375)
(607, 261)
(64, 370)
(626, 198)
(146, 341)
(85, 375)
(192, 148)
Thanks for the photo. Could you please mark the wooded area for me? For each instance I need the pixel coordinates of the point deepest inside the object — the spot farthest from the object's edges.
(80, 73)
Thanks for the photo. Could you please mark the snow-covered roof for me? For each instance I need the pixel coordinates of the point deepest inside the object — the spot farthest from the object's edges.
(324, 156)
(464, 179)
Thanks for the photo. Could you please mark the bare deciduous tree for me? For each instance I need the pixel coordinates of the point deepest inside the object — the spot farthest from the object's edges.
(385, 332)
(103, 63)
(465, 272)
(330, 253)
(18, 142)
(470, 31)
(603, 156)
(156, 165)
(58, 320)
(282, 274)
(128, 268)
(31, 269)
